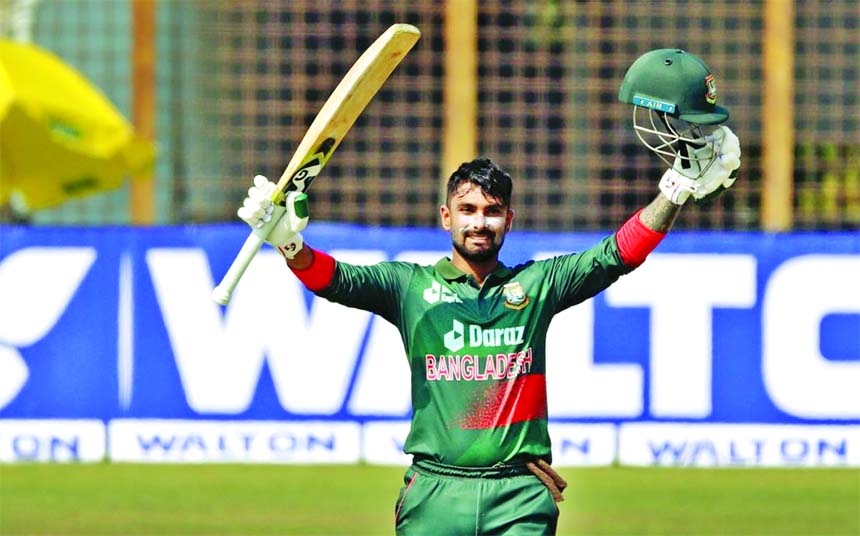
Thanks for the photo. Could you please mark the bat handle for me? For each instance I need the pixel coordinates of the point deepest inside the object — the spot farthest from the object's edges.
(224, 291)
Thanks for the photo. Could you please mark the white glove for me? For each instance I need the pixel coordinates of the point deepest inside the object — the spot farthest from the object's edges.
(676, 187)
(279, 226)
(680, 182)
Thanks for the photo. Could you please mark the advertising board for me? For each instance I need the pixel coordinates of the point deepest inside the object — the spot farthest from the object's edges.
(722, 349)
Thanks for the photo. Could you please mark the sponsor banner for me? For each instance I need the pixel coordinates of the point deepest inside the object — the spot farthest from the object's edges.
(715, 329)
(573, 444)
(738, 445)
(583, 444)
(194, 441)
(52, 440)
(382, 443)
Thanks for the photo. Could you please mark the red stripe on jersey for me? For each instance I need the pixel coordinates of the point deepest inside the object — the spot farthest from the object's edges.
(403, 498)
(319, 274)
(635, 241)
(508, 402)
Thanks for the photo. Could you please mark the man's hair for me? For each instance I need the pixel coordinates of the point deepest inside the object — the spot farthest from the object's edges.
(483, 173)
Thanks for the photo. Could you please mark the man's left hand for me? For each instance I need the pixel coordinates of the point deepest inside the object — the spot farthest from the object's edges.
(721, 158)
(723, 171)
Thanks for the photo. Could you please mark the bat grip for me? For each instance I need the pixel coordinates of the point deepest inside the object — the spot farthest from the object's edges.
(224, 291)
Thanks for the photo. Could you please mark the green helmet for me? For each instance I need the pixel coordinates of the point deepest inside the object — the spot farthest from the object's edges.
(674, 82)
(674, 100)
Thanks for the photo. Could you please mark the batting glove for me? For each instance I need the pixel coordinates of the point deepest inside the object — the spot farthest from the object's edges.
(722, 174)
(278, 226)
(687, 178)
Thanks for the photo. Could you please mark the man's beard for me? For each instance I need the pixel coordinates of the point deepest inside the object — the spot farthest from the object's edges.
(483, 255)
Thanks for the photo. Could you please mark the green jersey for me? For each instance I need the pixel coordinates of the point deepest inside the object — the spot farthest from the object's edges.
(477, 353)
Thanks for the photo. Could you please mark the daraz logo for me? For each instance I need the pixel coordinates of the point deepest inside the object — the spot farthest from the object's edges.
(455, 339)
(437, 293)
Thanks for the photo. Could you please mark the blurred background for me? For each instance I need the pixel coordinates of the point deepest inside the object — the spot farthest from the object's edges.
(111, 349)
(227, 88)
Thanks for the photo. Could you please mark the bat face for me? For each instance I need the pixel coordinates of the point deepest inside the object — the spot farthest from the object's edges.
(328, 129)
(341, 110)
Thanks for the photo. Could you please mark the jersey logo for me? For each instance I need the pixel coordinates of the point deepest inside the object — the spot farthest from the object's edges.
(437, 293)
(515, 296)
(456, 339)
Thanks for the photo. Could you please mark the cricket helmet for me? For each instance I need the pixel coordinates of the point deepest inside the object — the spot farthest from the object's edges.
(674, 95)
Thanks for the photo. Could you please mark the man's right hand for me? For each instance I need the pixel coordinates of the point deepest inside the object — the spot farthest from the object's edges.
(279, 226)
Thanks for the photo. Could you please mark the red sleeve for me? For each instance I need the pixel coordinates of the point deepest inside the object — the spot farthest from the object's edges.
(635, 241)
(319, 274)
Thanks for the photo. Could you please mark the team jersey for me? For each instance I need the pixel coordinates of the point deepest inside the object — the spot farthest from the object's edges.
(477, 353)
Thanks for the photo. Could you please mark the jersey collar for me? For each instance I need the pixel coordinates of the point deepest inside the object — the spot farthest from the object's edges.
(449, 272)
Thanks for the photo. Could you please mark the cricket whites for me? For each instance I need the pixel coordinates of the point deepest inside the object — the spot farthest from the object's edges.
(336, 117)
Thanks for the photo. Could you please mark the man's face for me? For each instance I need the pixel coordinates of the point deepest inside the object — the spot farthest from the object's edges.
(477, 223)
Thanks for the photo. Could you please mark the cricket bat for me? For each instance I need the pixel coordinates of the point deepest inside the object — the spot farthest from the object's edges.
(335, 118)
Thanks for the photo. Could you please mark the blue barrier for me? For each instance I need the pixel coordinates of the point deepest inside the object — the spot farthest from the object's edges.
(716, 328)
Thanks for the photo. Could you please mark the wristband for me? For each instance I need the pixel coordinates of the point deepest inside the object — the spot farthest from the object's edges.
(635, 241)
(319, 274)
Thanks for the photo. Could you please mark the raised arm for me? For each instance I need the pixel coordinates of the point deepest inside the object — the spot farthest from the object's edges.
(659, 214)
(641, 234)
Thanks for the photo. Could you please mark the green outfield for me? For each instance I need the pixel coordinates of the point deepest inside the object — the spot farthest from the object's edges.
(107, 499)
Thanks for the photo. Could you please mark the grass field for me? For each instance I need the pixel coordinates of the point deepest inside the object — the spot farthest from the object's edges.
(125, 499)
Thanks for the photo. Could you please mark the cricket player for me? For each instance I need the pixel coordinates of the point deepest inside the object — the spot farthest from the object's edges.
(474, 329)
